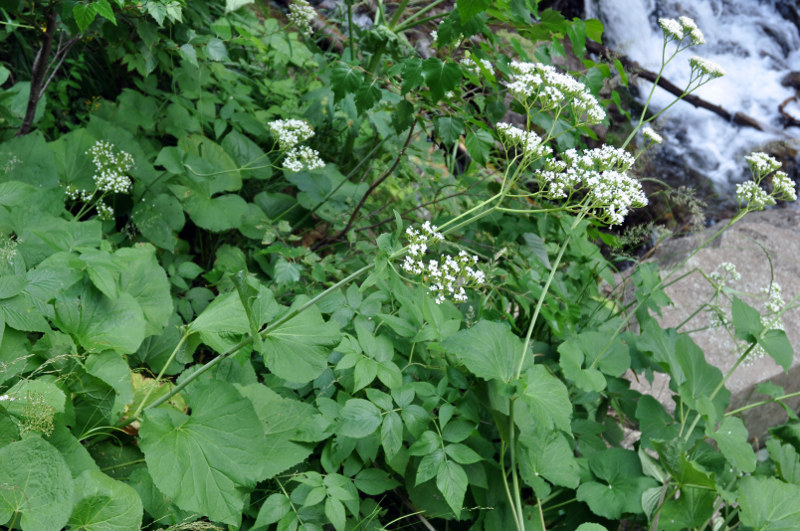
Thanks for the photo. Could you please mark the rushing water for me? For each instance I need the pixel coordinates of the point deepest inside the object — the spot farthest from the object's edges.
(754, 44)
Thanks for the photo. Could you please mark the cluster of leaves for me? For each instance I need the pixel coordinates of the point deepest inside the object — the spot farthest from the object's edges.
(213, 355)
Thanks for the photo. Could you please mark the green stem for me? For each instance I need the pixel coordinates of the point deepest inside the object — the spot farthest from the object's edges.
(122, 465)
(761, 403)
(350, 31)
(517, 521)
(546, 288)
(719, 386)
(516, 506)
(175, 351)
(407, 24)
(398, 13)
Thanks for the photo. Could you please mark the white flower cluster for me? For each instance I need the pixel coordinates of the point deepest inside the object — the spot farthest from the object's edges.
(301, 14)
(690, 27)
(704, 67)
(474, 65)
(75, 193)
(750, 194)
(673, 30)
(526, 141)
(289, 133)
(104, 211)
(536, 83)
(724, 274)
(651, 136)
(448, 276)
(601, 172)
(783, 187)
(774, 295)
(303, 158)
(678, 29)
(111, 168)
(761, 163)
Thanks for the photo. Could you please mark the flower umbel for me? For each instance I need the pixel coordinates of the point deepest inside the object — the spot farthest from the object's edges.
(448, 276)
(301, 14)
(303, 158)
(651, 136)
(528, 142)
(703, 68)
(289, 133)
(111, 168)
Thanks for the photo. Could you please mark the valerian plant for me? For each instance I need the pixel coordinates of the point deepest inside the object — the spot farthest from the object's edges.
(240, 342)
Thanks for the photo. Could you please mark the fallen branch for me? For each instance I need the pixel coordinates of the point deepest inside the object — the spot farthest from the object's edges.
(736, 117)
(788, 119)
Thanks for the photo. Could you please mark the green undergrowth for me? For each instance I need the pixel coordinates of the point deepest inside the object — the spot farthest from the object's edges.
(383, 316)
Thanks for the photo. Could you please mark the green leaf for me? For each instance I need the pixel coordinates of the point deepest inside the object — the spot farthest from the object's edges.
(275, 507)
(746, 320)
(84, 15)
(392, 433)
(334, 510)
(206, 462)
(345, 79)
(451, 480)
(105, 504)
(548, 454)
(159, 219)
(469, 8)
(360, 418)
(536, 244)
(233, 5)
(591, 527)
(786, 460)
(216, 50)
(282, 419)
(449, 129)
(572, 361)
(98, 323)
(440, 77)
(489, 350)
(624, 483)
(105, 10)
(462, 454)
(298, 349)
(702, 378)
(547, 399)
(189, 53)
(36, 484)
(145, 280)
(403, 116)
(777, 345)
(767, 504)
(690, 510)
(594, 29)
(731, 437)
(286, 272)
(479, 144)
(412, 74)
(217, 214)
(372, 481)
(367, 95)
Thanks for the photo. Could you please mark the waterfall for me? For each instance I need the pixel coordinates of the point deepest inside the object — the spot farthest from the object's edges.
(750, 39)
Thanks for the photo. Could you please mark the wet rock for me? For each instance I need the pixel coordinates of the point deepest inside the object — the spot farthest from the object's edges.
(792, 79)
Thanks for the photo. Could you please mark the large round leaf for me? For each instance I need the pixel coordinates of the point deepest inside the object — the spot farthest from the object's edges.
(105, 504)
(207, 461)
(36, 483)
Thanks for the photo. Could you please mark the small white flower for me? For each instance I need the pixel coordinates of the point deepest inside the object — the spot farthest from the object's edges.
(301, 14)
(303, 158)
(289, 133)
(749, 194)
(111, 169)
(475, 66)
(6, 398)
(783, 187)
(104, 211)
(652, 136)
(690, 27)
(705, 67)
(526, 141)
(672, 28)
(761, 163)
(774, 303)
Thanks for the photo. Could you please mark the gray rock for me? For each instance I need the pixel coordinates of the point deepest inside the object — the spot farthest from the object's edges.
(764, 247)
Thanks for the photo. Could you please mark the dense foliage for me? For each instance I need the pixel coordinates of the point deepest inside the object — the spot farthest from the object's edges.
(259, 276)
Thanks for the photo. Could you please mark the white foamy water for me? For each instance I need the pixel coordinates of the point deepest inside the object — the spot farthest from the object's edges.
(748, 38)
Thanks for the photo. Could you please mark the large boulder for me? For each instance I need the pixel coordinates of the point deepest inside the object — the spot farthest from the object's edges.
(765, 248)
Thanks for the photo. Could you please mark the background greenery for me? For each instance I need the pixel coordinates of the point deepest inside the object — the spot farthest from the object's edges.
(236, 347)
